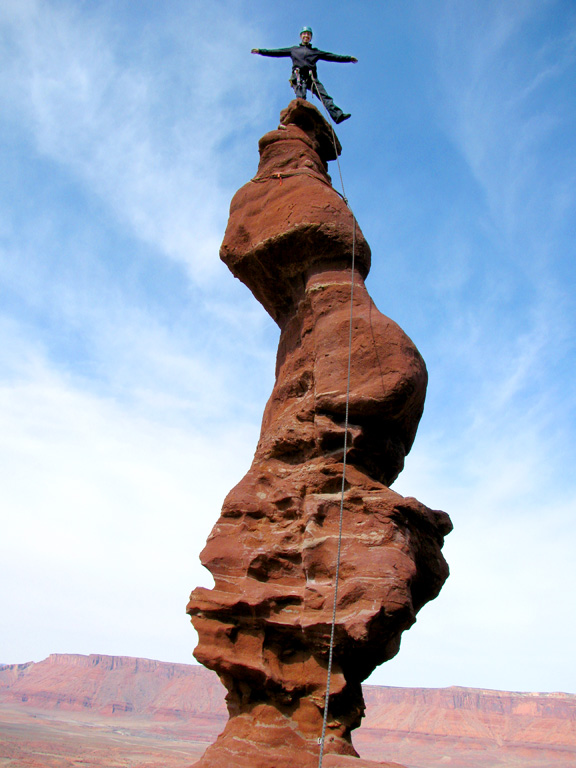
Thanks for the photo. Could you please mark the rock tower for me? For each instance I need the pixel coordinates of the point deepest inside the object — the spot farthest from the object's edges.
(265, 626)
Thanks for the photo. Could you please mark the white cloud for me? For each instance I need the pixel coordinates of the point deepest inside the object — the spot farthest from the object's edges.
(104, 514)
(149, 142)
(501, 118)
(503, 619)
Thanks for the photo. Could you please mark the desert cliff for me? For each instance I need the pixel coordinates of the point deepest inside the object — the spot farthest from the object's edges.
(178, 709)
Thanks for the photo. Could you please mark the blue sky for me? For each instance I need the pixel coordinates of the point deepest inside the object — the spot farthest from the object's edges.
(134, 369)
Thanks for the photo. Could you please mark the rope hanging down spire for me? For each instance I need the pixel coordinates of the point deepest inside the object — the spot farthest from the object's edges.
(343, 488)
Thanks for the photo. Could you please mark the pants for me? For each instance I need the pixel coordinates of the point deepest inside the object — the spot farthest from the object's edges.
(301, 83)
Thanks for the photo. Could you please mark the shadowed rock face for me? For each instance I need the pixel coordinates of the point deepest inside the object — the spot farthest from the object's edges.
(265, 626)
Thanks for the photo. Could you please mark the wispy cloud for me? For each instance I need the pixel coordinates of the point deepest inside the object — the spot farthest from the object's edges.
(150, 143)
(129, 401)
(105, 509)
(498, 112)
(496, 445)
(502, 268)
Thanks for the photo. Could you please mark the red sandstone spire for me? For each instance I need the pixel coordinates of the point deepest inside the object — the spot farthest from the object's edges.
(265, 626)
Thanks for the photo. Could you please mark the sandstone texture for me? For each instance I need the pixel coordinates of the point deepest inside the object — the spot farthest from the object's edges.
(265, 626)
(288, 220)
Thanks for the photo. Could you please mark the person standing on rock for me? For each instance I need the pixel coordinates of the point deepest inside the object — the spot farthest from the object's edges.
(304, 76)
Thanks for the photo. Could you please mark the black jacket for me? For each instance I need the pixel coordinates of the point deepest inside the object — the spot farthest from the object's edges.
(304, 56)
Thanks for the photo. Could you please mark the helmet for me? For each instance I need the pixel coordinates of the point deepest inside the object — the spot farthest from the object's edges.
(307, 29)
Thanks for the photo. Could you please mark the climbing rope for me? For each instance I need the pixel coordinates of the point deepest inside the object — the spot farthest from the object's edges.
(335, 146)
(280, 176)
(341, 516)
(344, 462)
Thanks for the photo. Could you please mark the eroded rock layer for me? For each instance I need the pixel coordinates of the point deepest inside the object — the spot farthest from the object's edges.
(265, 626)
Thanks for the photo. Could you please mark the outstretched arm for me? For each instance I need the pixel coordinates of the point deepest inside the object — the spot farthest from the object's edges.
(276, 52)
(326, 56)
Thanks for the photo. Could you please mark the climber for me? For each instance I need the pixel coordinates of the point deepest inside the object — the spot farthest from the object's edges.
(304, 76)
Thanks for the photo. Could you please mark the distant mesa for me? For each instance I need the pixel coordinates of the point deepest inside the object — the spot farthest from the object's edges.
(175, 710)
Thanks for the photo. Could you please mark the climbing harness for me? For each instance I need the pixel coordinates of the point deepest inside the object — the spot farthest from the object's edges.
(322, 738)
(301, 80)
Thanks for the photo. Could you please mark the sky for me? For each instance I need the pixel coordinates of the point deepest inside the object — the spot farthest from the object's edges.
(134, 368)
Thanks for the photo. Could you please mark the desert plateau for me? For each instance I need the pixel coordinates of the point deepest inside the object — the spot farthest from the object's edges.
(117, 712)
